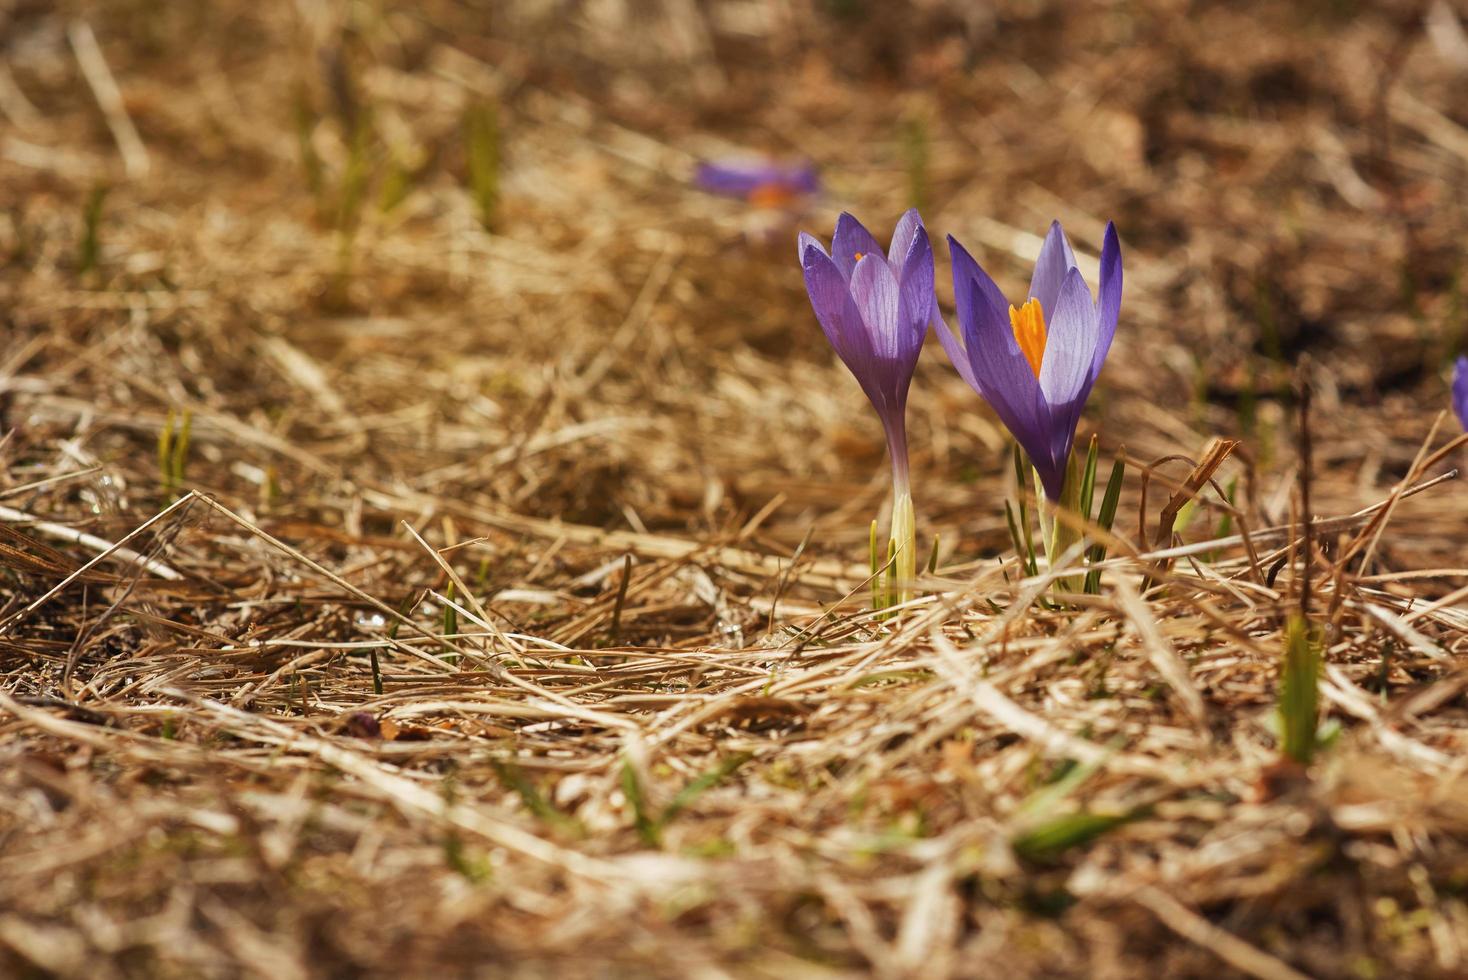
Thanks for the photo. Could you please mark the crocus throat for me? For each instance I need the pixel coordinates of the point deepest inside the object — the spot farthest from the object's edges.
(1028, 323)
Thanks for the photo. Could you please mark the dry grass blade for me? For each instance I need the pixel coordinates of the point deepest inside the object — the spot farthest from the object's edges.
(109, 99)
(1229, 948)
(108, 551)
(1163, 656)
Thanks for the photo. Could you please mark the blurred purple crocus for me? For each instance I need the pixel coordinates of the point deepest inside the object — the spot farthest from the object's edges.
(875, 307)
(1037, 364)
(762, 182)
(1460, 390)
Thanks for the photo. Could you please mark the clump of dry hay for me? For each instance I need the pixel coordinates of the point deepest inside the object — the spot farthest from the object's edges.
(492, 619)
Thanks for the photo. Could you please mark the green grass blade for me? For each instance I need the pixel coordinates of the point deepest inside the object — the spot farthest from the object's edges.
(311, 166)
(1226, 522)
(1109, 501)
(889, 578)
(1048, 841)
(165, 454)
(876, 567)
(1048, 798)
(1088, 479)
(1014, 537)
(179, 458)
(646, 827)
(450, 620)
(91, 245)
(482, 136)
(513, 778)
(355, 174)
(1032, 566)
(376, 671)
(700, 785)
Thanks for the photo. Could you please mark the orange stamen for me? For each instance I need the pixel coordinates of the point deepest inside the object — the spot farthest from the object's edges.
(859, 256)
(771, 195)
(1028, 323)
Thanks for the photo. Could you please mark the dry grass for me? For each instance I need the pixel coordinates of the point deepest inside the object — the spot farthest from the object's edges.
(659, 737)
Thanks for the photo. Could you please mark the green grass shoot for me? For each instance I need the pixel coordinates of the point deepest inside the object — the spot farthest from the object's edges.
(1041, 836)
(482, 143)
(642, 820)
(91, 245)
(450, 620)
(1088, 478)
(1032, 564)
(1104, 520)
(650, 828)
(1226, 522)
(513, 778)
(1049, 840)
(1299, 692)
(915, 153)
(173, 452)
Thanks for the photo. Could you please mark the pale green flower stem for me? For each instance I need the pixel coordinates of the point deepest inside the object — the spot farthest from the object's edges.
(904, 521)
(904, 538)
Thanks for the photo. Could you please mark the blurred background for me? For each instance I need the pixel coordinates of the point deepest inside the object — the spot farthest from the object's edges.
(459, 248)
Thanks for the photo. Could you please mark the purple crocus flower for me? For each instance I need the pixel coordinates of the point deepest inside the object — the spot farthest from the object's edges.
(875, 307)
(759, 181)
(1037, 364)
(1460, 390)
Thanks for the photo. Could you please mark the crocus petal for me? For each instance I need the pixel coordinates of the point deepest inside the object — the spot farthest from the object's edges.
(966, 270)
(998, 364)
(743, 178)
(877, 296)
(728, 177)
(804, 241)
(998, 370)
(1108, 302)
(1056, 259)
(1065, 374)
(834, 308)
(909, 229)
(851, 239)
(1460, 391)
(1052, 434)
(915, 283)
(953, 347)
(1070, 345)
